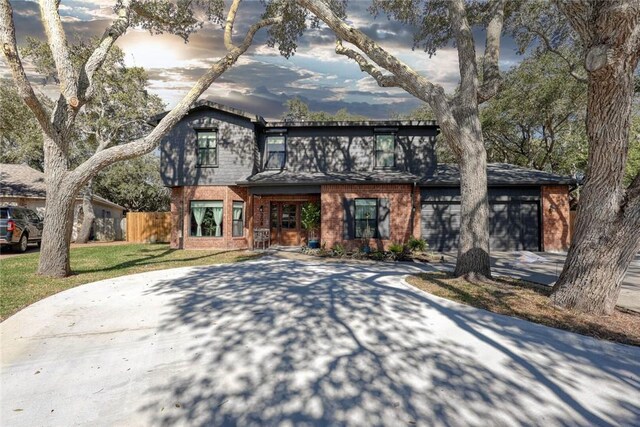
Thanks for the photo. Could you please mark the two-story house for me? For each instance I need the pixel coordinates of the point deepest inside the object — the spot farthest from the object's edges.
(232, 173)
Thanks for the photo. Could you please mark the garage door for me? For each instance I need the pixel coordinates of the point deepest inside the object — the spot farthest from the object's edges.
(514, 218)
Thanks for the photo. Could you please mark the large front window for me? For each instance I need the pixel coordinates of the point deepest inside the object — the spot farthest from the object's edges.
(207, 148)
(275, 155)
(366, 218)
(206, 218)
(385, 151)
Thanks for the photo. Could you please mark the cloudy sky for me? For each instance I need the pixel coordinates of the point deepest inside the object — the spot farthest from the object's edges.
(262, 80)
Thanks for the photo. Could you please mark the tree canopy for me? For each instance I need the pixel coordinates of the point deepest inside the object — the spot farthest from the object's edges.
(20, 136)
(298, 110)
(537, 119)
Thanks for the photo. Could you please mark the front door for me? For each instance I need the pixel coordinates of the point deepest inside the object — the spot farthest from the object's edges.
(285, 223)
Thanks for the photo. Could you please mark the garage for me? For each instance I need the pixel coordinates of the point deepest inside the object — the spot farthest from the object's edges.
(514, 218)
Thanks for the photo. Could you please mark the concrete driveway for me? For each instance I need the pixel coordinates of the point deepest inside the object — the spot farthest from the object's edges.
(545, 267)
(286, 342)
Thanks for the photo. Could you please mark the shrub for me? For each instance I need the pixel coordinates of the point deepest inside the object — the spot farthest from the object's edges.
(377, 255)
(399, 251)
(396, 248)
(417, 245)
(339, 249)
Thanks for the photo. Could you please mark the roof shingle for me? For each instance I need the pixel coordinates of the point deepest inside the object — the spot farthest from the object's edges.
(24, 181)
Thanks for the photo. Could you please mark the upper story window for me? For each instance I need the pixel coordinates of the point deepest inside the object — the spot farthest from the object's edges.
(385, 150)
(275, 153)
(207, 147)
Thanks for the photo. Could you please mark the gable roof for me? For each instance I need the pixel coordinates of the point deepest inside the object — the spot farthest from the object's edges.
(498, 174)
(204, 104)
(24, 181)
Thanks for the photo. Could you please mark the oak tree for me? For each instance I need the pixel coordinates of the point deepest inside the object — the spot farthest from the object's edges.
(77, 88)
(607, 227)
(440, 22)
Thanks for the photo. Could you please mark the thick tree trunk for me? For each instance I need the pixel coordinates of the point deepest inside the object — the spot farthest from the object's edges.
(473, 248)
(58, 217)
(607, 235)
(88, 215)
(592, 274)
(56, 235)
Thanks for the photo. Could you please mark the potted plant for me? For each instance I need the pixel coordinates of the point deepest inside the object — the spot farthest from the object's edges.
(310, 220)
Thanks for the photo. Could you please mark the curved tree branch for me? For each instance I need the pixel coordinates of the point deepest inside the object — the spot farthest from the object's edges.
(547, 43)
(98, 56)
(10, 50)
(228, 27)
(407, 78)
(383, 80)
(412, 82)
(60, 51)
(104, 158)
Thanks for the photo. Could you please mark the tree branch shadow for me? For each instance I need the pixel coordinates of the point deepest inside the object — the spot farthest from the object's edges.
(316, 343)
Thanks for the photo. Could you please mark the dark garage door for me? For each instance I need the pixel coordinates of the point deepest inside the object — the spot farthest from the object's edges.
(514, 218)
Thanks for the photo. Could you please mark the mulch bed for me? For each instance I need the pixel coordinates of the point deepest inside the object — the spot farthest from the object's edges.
(529, 301)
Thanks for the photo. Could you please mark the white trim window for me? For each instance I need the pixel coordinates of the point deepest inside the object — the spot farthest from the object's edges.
(206, 218)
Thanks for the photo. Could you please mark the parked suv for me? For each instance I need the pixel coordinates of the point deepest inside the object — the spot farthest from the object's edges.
(19, 227)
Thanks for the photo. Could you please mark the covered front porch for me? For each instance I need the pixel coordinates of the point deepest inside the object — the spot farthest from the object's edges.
(276, 219)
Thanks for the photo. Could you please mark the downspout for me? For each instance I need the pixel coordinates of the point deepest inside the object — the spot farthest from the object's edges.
(413, 207)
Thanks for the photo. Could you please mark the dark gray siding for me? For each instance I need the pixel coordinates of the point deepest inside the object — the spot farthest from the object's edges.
(236, 150)
(514, 218)
(351, 149)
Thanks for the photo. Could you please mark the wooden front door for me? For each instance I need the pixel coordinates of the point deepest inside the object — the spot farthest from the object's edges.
(285, 223)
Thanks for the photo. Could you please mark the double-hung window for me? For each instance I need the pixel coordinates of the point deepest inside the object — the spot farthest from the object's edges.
(207, 147)
(206, 218)
(238, 219)
(275, 152)
(366, 218)
(385, 150)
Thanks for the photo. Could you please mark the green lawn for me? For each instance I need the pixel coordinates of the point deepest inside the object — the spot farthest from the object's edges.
(20, 286)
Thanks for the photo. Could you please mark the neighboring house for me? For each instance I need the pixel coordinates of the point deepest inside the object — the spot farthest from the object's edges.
(21, 185)
(232, 173)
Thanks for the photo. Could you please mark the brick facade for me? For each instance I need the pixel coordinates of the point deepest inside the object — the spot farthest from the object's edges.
(332, 197)
(555, 218)
(181, 217)
(404, 215)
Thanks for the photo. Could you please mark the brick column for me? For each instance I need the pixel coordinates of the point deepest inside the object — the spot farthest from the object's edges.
(555, 218)
(176, 218)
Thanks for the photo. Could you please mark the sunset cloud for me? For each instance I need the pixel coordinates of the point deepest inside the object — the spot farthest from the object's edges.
(262, 80)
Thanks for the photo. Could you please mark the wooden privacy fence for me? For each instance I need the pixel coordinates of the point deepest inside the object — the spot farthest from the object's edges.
(572, 222)
(148, 227)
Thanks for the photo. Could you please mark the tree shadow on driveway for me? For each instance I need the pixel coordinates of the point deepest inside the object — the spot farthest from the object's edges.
(315, 343)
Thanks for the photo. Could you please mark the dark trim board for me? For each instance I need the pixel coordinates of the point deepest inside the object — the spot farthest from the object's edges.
(285, 189)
